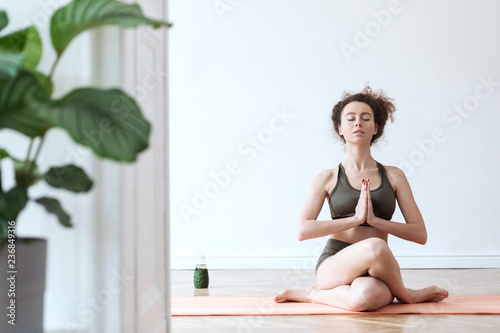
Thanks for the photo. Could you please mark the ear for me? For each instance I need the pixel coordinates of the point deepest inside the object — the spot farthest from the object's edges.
(340, 131)
(376, 129)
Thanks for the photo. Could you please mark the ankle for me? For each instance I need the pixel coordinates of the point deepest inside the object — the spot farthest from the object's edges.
(410, 298)
(311, 293)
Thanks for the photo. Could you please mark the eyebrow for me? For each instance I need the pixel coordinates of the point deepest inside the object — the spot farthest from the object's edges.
(353, 113)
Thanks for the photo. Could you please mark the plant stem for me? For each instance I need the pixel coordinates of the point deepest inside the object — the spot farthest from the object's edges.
(28, 154)
(42, 138)
(38, 149)
(52, 70)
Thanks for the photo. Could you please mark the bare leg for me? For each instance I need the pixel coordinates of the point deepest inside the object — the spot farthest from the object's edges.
(372, 257)
(364, 294)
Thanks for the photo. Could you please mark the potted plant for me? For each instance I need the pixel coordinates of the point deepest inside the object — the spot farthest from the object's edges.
(107, 121)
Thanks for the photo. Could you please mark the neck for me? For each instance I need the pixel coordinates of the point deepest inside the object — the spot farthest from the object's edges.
(358, 157)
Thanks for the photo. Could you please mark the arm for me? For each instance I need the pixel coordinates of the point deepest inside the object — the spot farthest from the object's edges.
(308, 227)
(414, 229)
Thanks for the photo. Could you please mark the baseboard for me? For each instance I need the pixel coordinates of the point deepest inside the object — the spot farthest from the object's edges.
(467, 261)
(406, 262)
(71, 328)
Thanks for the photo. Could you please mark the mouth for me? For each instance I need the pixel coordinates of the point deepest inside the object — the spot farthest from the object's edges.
(359, 132)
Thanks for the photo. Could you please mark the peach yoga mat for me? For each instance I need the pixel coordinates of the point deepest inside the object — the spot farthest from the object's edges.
(265, 306)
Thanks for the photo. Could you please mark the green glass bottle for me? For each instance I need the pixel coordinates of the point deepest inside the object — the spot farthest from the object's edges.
(200, 278)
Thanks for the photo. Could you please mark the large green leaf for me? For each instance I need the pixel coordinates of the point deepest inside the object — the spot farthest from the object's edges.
(80, 15)
(45, 82)
(12, 202)
(4, 19)
(107, 121)
(9, 65)
(27, 42)
(53, 206)
(20, 100)
(69, 177)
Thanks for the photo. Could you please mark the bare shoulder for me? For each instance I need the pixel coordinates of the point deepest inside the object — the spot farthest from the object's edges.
(326, 179)
(325, 176)
(403, 191)
(395, 172)
(396, 176)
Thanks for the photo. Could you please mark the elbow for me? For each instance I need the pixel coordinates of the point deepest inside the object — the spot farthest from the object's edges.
(301, 235)
(418, 234)
(423, 239)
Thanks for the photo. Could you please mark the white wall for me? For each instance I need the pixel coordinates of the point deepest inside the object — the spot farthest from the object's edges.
(235, 64)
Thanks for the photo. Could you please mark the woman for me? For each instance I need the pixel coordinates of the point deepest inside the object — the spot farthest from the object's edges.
(357, 270)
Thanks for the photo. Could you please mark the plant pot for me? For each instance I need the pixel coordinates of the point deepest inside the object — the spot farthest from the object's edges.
(22, 286)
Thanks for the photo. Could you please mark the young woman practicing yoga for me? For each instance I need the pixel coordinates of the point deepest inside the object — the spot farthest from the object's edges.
(357, 270)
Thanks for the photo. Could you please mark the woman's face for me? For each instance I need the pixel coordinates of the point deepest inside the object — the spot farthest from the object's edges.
(357, 123)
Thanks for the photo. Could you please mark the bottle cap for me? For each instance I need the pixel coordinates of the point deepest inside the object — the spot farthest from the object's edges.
(201, 258)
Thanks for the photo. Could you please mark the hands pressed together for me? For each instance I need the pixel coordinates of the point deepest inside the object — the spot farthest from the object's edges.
(364, 208)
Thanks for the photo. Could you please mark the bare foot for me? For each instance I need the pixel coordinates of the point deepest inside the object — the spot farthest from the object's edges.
(429, 294)
(295, 295)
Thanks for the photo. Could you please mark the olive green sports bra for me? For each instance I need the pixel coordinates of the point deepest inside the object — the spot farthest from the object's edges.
(344, 198)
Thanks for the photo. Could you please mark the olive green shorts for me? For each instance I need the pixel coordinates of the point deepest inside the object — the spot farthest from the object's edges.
(331, 248)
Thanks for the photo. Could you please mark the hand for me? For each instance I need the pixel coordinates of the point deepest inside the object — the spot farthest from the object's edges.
(370, 216)
(362, 206)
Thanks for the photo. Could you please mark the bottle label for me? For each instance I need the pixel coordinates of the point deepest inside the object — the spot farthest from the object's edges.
(200, 278)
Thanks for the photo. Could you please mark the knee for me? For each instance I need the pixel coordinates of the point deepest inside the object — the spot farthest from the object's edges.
(363, 300)
(369, 297)
(377, 248)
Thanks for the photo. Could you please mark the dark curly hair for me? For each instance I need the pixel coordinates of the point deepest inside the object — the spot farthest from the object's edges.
(381, 105)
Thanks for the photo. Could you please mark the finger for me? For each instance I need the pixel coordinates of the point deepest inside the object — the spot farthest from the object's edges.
(369, 203)
(368, 190)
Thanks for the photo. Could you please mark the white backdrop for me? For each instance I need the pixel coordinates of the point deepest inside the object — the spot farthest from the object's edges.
(252, 87)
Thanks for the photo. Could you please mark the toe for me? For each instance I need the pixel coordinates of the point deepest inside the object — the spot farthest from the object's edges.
(281, 297)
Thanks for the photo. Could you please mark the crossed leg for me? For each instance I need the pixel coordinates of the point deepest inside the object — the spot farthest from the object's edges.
(362, 277)
(365, 293)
